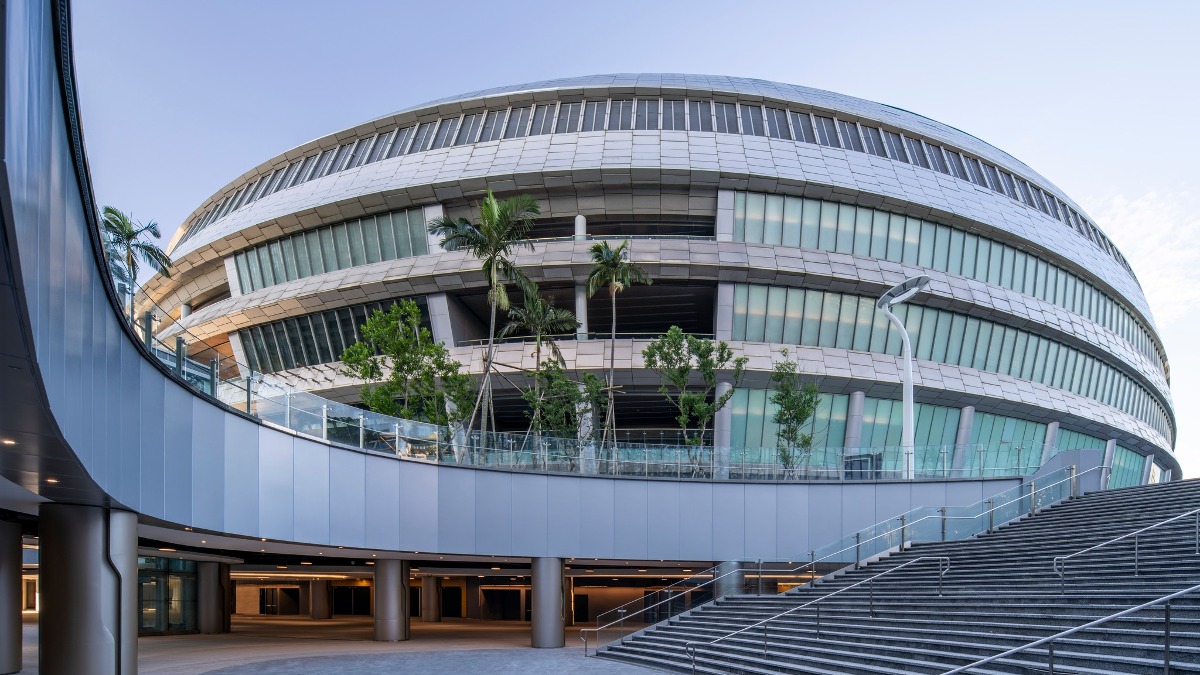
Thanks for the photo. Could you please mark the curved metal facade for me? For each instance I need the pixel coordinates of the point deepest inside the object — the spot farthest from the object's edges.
(768, 214)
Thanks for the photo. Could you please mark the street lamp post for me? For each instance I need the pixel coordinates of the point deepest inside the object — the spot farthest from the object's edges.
(895, 296)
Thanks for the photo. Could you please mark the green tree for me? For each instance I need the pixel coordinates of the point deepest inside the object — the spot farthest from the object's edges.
(795, 403)
(541, 320)
(677, 356)
(563, 408)
(407, 373)
(125, 243)
(502, 228)
(611, 267)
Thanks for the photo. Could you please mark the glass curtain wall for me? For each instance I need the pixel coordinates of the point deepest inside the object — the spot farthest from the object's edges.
(312, 339)
(1074, 440)
(1127, 467)
(1001, 441)
(824, 319)
(842, 228)
(166, 596)
(389, 236)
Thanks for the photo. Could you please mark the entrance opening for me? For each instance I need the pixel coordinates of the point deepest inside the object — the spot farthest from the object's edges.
(352, 600)
(452, 602)
(501, 603)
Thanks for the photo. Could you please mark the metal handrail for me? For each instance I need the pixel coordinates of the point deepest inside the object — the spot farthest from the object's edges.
(623, 617)
(811, 565)
(1165, 600)
(1060, 562)
(943, 567)
(710, 571)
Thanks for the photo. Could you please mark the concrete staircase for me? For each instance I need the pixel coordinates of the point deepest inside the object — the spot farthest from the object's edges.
(1001, 591)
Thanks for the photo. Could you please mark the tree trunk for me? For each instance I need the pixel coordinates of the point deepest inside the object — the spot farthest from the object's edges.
(611, 421)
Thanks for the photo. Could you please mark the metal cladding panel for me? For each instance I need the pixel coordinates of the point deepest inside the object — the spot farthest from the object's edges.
(565, 520)
(662, 531)
(179, 409)
(728, 511)
(493, 512)
(150, 496)
(241, 476)
(887, 497)
(382, 502)
(824, 516)
(858, 510)
(418, 502)
(347, 502)
(596, 501)
(759, 524)
(530, 514)
(791, 523)
(310, 491)
(276, 485)
(631, 508)
(208, 465)
(695, 521)
(456, 510)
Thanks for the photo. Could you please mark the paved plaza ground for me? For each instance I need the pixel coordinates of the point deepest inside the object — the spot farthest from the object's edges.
(300, 646)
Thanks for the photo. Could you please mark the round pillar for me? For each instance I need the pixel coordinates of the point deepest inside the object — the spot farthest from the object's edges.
(391, 600)
(431, 599)
(547, 604)
(10, 597)
(89, 614)
(730, 579)
(320, 606)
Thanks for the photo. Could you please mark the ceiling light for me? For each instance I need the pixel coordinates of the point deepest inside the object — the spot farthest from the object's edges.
(281, 567)
(8, 441)
(167, 550)
(305, 563)
(203, 541)
(370, 562)
(52, 481)
(495, 568)
(641, 570)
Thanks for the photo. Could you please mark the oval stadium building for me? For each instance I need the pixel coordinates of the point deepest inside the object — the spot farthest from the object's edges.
(769, 215)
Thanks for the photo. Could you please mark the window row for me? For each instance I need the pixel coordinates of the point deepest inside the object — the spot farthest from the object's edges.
(842, 228)
(390, 236)
(312, 339)
(996, 441)
(653, 114)
(822, 319)
(1127, 468)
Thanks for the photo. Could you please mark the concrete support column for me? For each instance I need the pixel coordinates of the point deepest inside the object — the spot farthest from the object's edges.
(1146, 468)
(10, 597)
(1110, 451)
(235, 284)
(433, 211)
(730, 579)
(724, 225)
(547, 603)
(581, 312)
(580, 228)
(723, 312)
(88, 568)
(391, 600)
(966, 418)
(214, 594)
(474, 609)
(854, 420)
(320, 600)
(1051, 440)
(185, 310)
(431, 599)
(439, 319)
(722, 423)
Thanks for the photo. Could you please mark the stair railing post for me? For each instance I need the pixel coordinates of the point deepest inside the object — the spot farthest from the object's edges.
(943, 512)
(991, 515)
(903, 523)
(213, 377)
(1050, 658)
(180, 354)
(760, 583)
(1032, 497)
(325, 422)
(287, 410)
(857, 555)
(362, 431)
(1167, 638)
(818, 606)
(871, 596)
(249, 391)
(147, 328)
(1136, 556)
(1074, 482)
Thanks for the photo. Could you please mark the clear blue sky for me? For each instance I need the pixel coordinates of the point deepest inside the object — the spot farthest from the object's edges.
(1100, 97)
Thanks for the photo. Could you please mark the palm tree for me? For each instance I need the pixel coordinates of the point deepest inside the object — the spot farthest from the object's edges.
(612, 268)
(542, 321)
(503, 227)
(125, 241)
